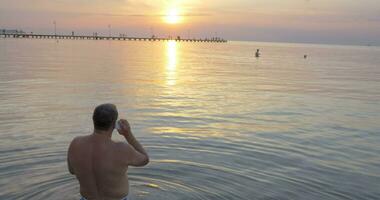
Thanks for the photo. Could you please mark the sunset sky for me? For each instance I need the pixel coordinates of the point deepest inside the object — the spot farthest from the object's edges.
(316, 21)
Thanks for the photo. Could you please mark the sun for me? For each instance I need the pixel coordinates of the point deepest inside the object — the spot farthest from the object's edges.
(172, 16)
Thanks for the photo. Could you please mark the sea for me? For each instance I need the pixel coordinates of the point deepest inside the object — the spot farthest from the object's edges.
(217, 122)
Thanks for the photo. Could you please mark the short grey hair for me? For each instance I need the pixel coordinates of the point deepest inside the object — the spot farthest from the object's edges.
(105, 116)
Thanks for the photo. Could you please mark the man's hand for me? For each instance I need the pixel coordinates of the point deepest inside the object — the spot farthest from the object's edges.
(125, 128)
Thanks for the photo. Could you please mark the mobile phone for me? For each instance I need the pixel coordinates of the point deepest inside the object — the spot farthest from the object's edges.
(117, 126)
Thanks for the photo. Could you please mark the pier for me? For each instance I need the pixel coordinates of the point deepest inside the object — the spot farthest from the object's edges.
(96, 37)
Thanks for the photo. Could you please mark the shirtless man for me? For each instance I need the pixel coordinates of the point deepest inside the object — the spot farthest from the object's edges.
(100, 164)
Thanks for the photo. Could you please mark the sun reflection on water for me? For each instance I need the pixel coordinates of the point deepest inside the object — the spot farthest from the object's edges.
(171, 66)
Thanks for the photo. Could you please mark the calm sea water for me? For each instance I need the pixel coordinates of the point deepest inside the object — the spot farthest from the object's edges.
(217, 122)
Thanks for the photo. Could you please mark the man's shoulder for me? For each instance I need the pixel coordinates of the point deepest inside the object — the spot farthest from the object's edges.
(121, 146)
(78, 144)
(79, 139)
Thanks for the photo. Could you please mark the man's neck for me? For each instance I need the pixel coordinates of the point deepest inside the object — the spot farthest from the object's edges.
(101, 133)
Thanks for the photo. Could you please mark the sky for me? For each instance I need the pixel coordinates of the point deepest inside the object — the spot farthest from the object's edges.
(354, 22)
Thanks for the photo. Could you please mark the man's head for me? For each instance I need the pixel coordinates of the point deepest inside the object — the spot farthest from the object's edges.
(105, 117)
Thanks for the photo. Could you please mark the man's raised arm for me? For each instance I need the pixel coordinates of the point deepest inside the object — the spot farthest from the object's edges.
(136, 152)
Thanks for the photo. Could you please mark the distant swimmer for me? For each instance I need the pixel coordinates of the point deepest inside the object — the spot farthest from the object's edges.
(257, 53)
(305, 56)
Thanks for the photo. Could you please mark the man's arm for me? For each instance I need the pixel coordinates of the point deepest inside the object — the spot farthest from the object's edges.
(71, 170)
(137, 156)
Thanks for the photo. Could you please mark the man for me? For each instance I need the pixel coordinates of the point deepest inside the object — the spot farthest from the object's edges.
(257, 54)
(100, 164)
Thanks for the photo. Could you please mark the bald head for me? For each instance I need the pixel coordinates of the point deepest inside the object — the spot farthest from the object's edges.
(104, 117)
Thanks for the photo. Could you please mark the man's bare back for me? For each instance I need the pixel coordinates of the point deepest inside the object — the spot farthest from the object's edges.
(101, 164)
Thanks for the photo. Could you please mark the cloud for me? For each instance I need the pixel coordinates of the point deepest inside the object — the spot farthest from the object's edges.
(128, 15)
(145, 15)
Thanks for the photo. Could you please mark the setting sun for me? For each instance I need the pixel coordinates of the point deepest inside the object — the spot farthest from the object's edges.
(172, 16)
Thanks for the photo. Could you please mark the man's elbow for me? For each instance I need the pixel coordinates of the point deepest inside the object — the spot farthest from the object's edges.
(145, 161)
(71, 171)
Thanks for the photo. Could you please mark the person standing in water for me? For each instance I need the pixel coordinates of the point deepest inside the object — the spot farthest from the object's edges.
(99, 163)
(257, 54)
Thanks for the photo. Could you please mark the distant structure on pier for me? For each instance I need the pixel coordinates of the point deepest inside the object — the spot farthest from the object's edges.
(11, 31)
